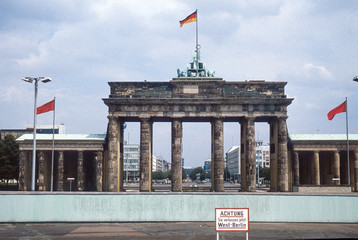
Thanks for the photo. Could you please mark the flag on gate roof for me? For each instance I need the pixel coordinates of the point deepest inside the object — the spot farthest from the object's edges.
(50, 106)
(341, 108)
(189, 19)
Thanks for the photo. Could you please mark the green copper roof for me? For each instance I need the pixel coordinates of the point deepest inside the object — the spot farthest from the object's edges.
(322, 137)
(77, 137)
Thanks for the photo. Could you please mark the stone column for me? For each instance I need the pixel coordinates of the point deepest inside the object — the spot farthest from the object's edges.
(251, 159)
(114, 178)
(296, 169)
(282, 159)
(316, 177)
(248, 154)
(273, 154)
(99, 170)
(80, 174)
(60, 170)
(28, 172)
(145, 184)
(22, 170)
(243, 155)
(217, 160)
(211, 159)
(355, 170)
(177, 134)
(42, 185)
(120, 171)
(351, 171)
(336, 167)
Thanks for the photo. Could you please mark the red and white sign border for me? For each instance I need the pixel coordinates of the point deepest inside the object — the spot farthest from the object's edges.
(233, 230)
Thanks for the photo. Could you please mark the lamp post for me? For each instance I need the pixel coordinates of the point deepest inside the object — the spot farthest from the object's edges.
(36, 80)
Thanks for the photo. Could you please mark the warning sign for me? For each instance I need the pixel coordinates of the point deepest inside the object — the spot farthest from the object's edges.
(232, 219)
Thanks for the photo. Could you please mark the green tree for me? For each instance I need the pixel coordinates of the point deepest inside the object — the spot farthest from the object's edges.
(265, 172)
(168, 174)
(9, 158)
(158, 175)
(208, 174)
(198, 170)
(183, 175)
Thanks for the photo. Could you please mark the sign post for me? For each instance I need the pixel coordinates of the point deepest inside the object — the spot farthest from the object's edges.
(70, 179)
(232, 220)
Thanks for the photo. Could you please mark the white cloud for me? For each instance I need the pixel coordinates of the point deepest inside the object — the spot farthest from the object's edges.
(312, 71)
(11, 94)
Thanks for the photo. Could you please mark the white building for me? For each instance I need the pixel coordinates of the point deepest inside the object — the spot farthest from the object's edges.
(131, 161)
(262, 154)
(233, 162)
(154, 164)
(160, 164)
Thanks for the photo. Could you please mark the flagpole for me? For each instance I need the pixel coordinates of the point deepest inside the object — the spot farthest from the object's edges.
(349, 181)
(197, 46)
(33, 176)
(53, 142)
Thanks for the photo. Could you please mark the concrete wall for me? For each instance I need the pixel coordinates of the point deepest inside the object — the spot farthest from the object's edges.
(72, 207)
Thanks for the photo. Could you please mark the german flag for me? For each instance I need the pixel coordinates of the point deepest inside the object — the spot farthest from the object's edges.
(188, 19)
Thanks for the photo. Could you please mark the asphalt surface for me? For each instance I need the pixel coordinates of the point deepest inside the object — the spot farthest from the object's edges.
(174, 230)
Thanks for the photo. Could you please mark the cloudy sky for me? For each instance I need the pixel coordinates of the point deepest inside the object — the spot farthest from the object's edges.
(82, 45)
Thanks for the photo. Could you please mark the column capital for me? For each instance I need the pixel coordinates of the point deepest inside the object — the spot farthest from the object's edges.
(277, 118)
(218, 117)
(282, 117)
(217, 120)
(145, 119)
(111, 117)
(247, 118)
(176, 119)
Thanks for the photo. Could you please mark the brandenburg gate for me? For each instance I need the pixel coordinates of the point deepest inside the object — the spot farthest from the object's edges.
(198, 99)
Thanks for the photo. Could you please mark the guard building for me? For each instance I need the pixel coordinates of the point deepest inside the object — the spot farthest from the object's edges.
(321, 162)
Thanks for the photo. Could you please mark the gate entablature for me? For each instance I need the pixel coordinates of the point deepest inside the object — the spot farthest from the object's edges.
(192, 98)
(199, 99)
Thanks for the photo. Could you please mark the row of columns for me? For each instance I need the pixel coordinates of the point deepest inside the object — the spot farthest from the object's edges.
(279, 156)
(335, 169)
(44, 171)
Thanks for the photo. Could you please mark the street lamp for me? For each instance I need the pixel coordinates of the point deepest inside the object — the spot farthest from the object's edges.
(36, 80)
(355, 79)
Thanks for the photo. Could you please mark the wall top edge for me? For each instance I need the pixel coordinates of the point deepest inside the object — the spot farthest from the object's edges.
(273, 194)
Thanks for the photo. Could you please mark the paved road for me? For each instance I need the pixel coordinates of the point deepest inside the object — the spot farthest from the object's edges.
(173, 230)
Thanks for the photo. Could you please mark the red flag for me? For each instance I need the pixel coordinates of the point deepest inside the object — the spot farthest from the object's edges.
(188, 19)
(341, 108)
(50, 106)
